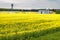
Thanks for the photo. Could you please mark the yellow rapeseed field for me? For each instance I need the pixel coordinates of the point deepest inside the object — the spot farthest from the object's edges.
(12, 23)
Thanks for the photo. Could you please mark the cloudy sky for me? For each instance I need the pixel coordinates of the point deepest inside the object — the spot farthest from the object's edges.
(30, 4)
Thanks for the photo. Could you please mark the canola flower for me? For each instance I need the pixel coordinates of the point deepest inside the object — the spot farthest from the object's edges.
(20, 22)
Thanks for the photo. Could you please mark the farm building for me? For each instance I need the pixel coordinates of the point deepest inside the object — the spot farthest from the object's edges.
(46, 11)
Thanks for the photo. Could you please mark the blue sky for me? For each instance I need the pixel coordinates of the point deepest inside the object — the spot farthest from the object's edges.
(30, 4)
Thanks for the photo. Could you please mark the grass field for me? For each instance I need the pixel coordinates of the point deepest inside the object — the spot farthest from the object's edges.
(29, 26)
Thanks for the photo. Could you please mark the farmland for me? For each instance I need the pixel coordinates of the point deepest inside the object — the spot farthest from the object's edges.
(29, 26)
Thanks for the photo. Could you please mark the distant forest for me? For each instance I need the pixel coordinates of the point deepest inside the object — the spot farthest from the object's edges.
(32, 10)
(58, 11)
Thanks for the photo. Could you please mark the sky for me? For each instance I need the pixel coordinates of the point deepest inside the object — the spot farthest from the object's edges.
(30, 4)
